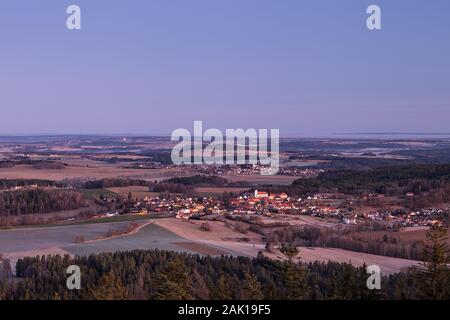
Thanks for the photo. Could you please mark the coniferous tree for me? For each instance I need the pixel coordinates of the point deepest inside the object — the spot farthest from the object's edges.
(289, 251)
(251, 288)
(223, 288)
(434, 272)
(109, 287)
(173, 282)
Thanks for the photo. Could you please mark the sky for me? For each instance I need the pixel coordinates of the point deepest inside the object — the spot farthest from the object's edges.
(308, 68)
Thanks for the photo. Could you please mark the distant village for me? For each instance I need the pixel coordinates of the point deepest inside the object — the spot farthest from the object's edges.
(255, 169)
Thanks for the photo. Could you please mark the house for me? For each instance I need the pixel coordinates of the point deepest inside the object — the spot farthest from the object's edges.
(184, 214)
(349, 220)
(261, 194)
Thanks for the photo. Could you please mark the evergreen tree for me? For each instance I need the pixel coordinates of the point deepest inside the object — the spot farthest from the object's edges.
(173, 282)
(223, 288)
(434, 273)
(251, 288)
(289, 251)
(294, 280)
(109, 287)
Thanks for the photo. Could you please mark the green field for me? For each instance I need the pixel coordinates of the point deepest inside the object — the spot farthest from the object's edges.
(95, 193)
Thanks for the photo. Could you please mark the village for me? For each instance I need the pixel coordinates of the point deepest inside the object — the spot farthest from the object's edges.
(255, 169)
(262, 203)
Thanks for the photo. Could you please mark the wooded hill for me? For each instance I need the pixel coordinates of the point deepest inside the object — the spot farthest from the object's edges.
(31, 201)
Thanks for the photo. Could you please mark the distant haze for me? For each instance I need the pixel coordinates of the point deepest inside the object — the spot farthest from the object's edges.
(310, 68)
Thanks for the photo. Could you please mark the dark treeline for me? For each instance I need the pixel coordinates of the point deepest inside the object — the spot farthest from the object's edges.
(163, 156)
(111, 183)
(33, 201)
(429, 183)
(164, 275)
(49, 165)
(182, 185)
(386, 180)
(165, 187)
(342, 163)
(199, 180)
(186, 185)
(11, 183)
(37, 164)
(7, 164)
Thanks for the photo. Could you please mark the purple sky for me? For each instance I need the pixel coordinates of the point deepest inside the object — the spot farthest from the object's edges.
(305, 67)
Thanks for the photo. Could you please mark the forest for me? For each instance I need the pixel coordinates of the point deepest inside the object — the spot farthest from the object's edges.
(387, 180)
(199, 180)
(113, 182)
(186, 185)
(164, 275)
(31, 201)
(167, 275)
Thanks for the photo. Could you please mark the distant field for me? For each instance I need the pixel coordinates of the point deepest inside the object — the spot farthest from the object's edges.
(87, 172)
(136, 191)
(211, 191)
(95, 193)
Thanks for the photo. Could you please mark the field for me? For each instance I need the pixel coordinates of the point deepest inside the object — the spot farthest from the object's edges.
(95, 193)
(219, 231)
(229, 240)
(149, 237)
(201, 248)
(98, 171)
(60, 239)
(136, 191)
(214, 191)
(25, 239)
(299, 220)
